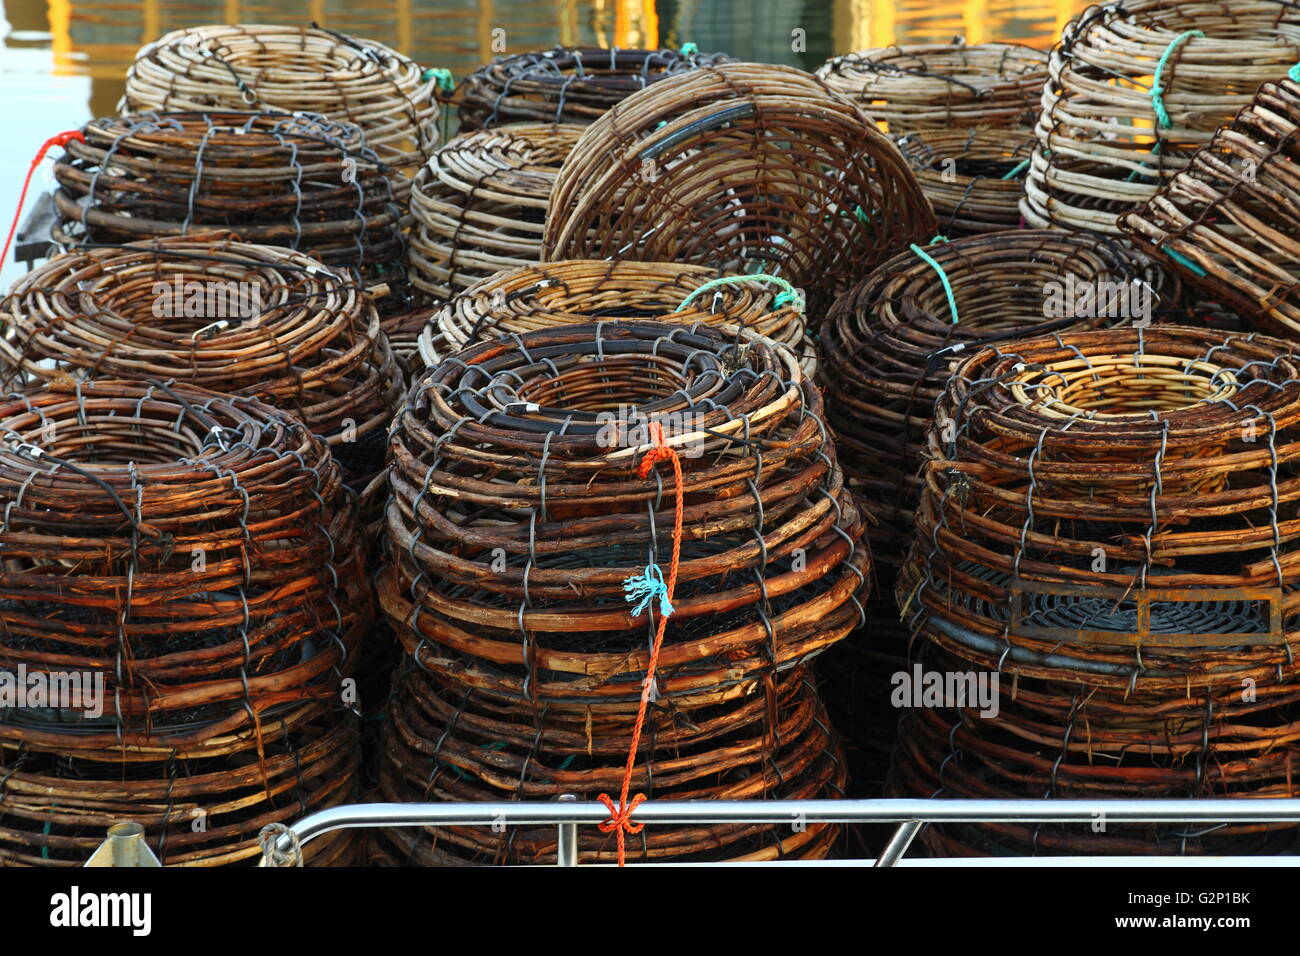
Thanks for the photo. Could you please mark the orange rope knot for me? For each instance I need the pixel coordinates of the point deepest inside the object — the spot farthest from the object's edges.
(620, 818)
(660, 452)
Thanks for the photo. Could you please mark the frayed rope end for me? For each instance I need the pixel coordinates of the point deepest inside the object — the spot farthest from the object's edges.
(645, 587)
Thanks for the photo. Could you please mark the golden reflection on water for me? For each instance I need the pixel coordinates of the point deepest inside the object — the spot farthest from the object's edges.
(97, 38)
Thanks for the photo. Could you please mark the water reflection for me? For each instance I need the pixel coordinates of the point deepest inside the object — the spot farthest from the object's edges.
(99, 37)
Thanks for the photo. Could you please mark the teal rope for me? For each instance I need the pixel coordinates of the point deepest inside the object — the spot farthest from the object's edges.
(45, 831)
(644, 588)
(789, 295)
(943, 276)
(446, 82)
(689, 49)
(1017, 171)
(1294, 73)
(1157, 90)
(1182, 260)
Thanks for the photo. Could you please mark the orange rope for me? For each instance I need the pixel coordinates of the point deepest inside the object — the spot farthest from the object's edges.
(58, 139)
(620, 816)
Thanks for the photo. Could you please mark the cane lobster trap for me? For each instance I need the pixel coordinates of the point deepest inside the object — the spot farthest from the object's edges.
(1108, 526)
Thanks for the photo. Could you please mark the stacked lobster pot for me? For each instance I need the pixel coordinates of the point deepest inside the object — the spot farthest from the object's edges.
(973, 178)
(1136, 88)
(887, 348)
(582, 291)
(527, 512)
(962, 116)
(1102, 588)
(480, 203)
(301, 181)
(565, 84)
(741, 167)
(183, 598)
(283, 69)
(244, 319)
(1230, 222)
(942, 86)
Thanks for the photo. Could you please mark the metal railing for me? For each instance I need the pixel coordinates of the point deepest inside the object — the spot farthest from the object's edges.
(284, 843)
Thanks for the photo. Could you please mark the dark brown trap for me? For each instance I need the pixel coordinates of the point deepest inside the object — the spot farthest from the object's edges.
(299, 180)
(183, 598)
(564, 84)
(235, 317)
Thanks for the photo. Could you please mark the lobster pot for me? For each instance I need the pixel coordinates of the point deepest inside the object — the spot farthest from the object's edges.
(888, 346)
(513, 532)
(565, 84)
(937, 86)
(1104, 532)
(245, 319)
(1230, 222)
(403, 333)
(584, 291)
(183, 599)
(479, 204)
(743, 167)
(291, 69)
(500, 752)
(300, 181)
(1136, 88)
(973, 177)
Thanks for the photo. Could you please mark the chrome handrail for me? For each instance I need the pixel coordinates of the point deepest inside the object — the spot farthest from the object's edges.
(911, 815)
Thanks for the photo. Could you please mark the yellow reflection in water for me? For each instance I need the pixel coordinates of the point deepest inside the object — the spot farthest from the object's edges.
(99, 37)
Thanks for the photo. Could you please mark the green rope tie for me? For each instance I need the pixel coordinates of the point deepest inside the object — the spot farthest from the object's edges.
(1157, 90)
(943, 276)
(446, 82)
(1182, 260)
(789, 295)
(689, 49)
(45, 831)
(1294, 73)
(1020, 168)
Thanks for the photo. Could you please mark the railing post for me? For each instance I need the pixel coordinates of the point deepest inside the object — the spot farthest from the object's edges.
(567, 845)
(898, 843)
(124, 846)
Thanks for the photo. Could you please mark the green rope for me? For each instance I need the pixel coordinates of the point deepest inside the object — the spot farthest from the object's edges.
(791, 294)
(1024, 163)
(1182, 260)
(1157, 90)
(689, 49)
(446, 82)
(45, 831)
(943, 276)
(1294, 73)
